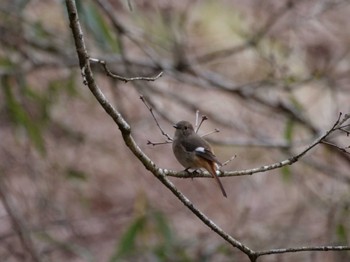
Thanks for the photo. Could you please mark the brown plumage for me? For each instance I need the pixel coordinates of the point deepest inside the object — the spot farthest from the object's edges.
(192, 151)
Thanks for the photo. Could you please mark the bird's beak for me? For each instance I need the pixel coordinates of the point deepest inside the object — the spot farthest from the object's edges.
(175, 126)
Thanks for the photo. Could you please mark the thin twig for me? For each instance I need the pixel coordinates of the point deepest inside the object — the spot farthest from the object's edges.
(123, 78)
(302, 249)
(155, 119)
(197, 119)
(228, 161)
(252, 41)
(345, 131)
(211, 132)
(342, 149)
(157, 143)
(204, 117)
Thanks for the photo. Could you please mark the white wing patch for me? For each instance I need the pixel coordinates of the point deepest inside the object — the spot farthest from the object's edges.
(200, 149)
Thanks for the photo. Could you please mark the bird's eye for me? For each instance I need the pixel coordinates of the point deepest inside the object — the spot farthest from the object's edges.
(185, 127)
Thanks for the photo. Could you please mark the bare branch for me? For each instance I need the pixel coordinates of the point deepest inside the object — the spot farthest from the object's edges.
(286, 162)
(252, 41)
(342, 149)
(204, 117)
(302, 249)
(161, 174)
(157, 143)
(155, 119)
(228, 161)
(197, 119)
(123, 78)
(211, 132)
(18, 224)
(126, 131)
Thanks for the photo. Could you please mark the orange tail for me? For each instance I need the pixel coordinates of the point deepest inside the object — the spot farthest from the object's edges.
(212, 170)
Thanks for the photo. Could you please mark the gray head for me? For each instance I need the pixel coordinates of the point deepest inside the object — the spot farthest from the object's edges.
(183, 128)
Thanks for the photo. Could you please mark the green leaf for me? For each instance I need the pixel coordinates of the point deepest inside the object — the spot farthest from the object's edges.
(163, 226)
(75, 174)
(21, 117)
(39, 31)
(299, 107)
(288, 130)
(341, 233)
(56, 86)
(165, 247)
(286, 173)
(98, 26)
(127, 243)
(78, 250)
(6, 63)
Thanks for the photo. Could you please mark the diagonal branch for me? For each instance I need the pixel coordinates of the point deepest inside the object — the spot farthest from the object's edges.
(126, 130)
(161, 174)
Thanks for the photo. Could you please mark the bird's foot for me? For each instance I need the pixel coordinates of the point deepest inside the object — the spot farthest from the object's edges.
(193, 173)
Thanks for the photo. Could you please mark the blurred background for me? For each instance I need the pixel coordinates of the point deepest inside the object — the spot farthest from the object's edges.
(270, 75)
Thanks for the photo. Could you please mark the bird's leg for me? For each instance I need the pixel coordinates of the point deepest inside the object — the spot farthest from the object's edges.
(192, 174)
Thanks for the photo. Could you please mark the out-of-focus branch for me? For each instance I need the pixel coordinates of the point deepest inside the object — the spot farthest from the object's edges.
(18, 224)
(252, 41)
(121, 29)
(327, 170)
(342, 149)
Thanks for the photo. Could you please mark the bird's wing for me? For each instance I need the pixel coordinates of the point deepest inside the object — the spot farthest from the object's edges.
(201, 148)
(207, 154)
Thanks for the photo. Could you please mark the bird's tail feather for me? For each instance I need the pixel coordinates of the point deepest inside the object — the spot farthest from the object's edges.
(212, 171)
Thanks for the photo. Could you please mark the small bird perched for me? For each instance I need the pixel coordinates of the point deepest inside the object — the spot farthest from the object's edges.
(192, 151)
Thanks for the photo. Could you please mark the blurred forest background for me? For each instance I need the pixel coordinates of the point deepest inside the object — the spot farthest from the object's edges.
(271, 75)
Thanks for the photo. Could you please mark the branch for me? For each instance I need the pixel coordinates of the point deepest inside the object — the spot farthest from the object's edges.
(169, 139)
(159, 173)
(197, 117)
(286, 162)
(342, 149)
(18, 224)
(228, 161)
(252, 41)
(123, 78)
(125, 130)
(204, 117)
(302, 249)
(211, 132)
(157, 143)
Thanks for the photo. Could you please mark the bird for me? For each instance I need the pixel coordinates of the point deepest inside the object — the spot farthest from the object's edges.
(192, 151)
